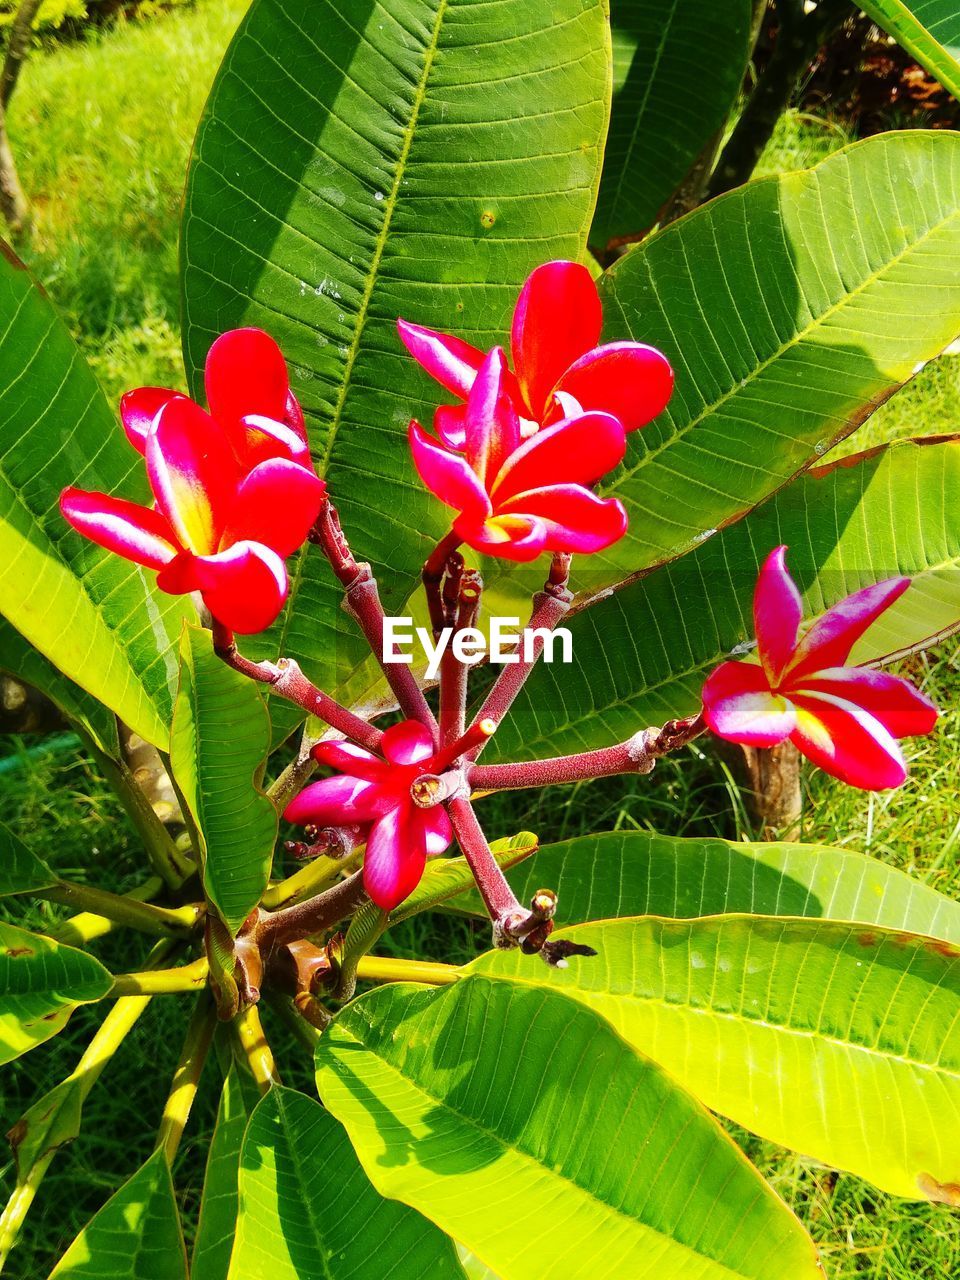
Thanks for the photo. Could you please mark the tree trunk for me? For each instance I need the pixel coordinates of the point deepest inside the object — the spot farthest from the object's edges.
(774, 795)
(13, 202)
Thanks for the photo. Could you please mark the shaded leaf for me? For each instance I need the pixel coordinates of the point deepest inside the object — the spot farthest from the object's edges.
(20, 870)
(307, 1209)
(95, 616)
(633, 873)
(219, 741)
(384, 175)
(135, 1236)
(219, 1206)
(41, 983)
(641, 655)
(677, 70)
(836, 1040)
(530, 1132)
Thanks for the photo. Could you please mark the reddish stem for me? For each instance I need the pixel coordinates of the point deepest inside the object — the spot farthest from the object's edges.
(549, 606)
(432, 577)
(311, 917)
(501, 903)
(454, 675)
(287, 680)
(362, 602)
(637, 755)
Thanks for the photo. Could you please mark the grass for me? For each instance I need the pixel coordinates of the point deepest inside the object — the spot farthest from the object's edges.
(107, 200)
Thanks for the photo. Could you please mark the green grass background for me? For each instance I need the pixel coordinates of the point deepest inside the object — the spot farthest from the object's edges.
(102, 132)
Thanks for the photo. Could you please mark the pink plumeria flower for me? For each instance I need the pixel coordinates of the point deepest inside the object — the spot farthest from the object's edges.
(845, 719)
(558, 367)
(248, 394)
(374, 793)
(517, 498)
(218, 528)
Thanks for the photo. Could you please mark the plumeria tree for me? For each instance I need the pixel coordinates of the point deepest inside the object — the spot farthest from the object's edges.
(415, 394)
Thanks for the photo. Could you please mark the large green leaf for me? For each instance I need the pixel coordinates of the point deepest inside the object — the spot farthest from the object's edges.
(307, 1209)
(788, 308)
(219, 741)
(634, 873)
(21, 871)
(20, 659)
(41, 983)
(641, 655)
(95, 616)
(218, 1208)
(410, 158)
(135, 1236)
(837, 1040)
(677, 70)
(531, 1132)
(928, 29)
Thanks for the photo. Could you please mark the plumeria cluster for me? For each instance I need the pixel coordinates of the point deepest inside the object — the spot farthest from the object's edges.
(516, 458)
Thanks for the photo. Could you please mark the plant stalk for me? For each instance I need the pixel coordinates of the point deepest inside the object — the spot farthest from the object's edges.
(186, 1078)
(86, 927)
(160, 982)
(312, 916)
(255, 1048)
(119, 909)
(387, 969)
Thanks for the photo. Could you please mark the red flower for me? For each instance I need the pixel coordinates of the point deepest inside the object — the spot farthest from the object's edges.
(559, 370)
(844, 719)
(374, 793)
(248, 393)
(234, 492)
(517, 498)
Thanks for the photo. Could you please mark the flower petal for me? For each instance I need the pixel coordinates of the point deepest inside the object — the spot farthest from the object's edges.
(449, 422)
(777, 610)
(130, 530)
(510, 537)
(437, 831)
(847, 742)
(632, 381)
(244, 587)
(408, 742)
(574, 518)
(738, 706)
(557, 318)
(830, 639)
(395, 857)
(266, 438)
(334, 802)
(245, 373)
(574, 451)
(453, 362)
(447, 474)
(275, 505)
(351, 759)
(491, 425)
(902, 710)
(293, 417)
(193, 473)
(138, 409)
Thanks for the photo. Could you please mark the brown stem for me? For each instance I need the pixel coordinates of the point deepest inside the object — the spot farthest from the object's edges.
(499, 899)
(432, 577)
(637, 755)
(286, 679)
(313, 916)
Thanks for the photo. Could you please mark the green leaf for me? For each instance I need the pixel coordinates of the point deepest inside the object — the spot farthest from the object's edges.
(677, 70)
(384, 175)
(95, 616)
(218, 1208)
(641, 655)
(634, 873)
(530, 1131)
(307, 1209)
(789, 309)
(20, 870)
(219, 741)
(21, 660)
(135, 1236)
(41, 983)
(927, 29)
(836, 1040)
